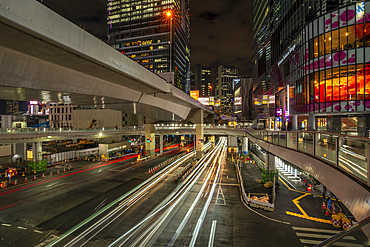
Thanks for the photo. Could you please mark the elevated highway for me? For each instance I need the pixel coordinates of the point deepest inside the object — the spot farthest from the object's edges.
(47, 58)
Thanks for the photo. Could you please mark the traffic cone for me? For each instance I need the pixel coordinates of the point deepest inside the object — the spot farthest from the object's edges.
(34, 171)
(340, 211)
(149, 171)
(23, 174)
(51, 174)
(43, 175)
(15, 182)
(58, 172)
(64, 169)
(69, 168)
(25, 179)
(34, 177)
(323, 206)
(327, 212)
(334, 211)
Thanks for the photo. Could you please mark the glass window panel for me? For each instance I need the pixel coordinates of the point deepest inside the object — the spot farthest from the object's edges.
(343, 83)
(317, 87)
(327, 22)
(335, 84)
(360, 11)
(342, 17)
(359, 35)
(321, 45)
(335, 41)
(316, 47)
(334, 20)
(351, 15)
(360, 55)
(367, 34)
(367, 81)
(360, 82)
(328, 84)
(352, 82)
(327, 41)
(343, 38)
(351, 35)
(315, 31)
(321, 25)
(310, 30)
(322, 86)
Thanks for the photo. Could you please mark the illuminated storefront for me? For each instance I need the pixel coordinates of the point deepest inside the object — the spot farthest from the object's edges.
(326, 71)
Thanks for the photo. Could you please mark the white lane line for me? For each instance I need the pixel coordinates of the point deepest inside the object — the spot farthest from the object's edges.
(222, 184)
(37, 231)
(309, 235)
(308, 241)
(212, 234)
(314, 230)
(6, 225)
(22, 228)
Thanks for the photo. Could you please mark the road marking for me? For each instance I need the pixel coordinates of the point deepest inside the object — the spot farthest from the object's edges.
(37, 231)
(222, 197)
(22, 228)
(296, 202)
(308, 241)
(310, 235)
(308, 217)
(6, 225)
(212, 234)
(314, 230)
(51, 239)
(228, 184)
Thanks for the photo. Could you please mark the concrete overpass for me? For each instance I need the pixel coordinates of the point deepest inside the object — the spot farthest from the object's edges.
(47, 58)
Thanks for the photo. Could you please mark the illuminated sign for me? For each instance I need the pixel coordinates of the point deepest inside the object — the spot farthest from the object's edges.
(291, 49)
(194, 94)
(217, 102)
(204, 100)
(237, 100)
(34, 102)
(265, 99)
(360, 9)
(272, 99)
(211, 100)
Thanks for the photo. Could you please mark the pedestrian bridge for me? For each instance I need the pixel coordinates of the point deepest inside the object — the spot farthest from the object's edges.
(47, 58)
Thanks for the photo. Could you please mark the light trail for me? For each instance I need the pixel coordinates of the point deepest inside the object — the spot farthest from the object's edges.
(131, 196)
(172, 203)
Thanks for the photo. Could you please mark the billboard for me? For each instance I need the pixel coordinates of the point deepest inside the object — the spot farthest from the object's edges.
(204, 100)
(217, 102)
(211, 100)
(237, 100)
(194, 94)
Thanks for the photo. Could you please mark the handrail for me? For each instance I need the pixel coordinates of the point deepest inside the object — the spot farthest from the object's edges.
(344, 233)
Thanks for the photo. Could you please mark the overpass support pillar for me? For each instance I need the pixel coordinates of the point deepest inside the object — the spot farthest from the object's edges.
(295, 122)
(37, 151)
(213, 141)
(199, 140)
(161, 144)
(150, 134)
(245, 145)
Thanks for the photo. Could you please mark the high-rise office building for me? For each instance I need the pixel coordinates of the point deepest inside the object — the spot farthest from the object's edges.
(225, 88)
(12, 107)
(143, 30)
(310, 62)
(201, 79)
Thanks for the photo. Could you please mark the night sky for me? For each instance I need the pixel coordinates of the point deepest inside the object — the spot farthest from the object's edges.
(221, 30)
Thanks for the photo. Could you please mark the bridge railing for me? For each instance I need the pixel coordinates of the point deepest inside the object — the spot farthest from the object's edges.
(348, 153)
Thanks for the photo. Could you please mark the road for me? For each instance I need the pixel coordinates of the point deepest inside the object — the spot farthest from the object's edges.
(38, 211)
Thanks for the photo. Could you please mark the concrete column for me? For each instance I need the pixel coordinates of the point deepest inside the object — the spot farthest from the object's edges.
(311, 122)
(200, 140)
(150, 134)
(275, 123)
(213, 141)
(37, 151)
(295, 122)
(161, 144)
(19, 151)
(245, 145)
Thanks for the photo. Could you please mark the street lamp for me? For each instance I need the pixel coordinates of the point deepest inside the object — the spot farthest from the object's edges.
(169, 15)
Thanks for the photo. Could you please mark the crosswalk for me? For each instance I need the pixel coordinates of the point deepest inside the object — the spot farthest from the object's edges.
(313, 236)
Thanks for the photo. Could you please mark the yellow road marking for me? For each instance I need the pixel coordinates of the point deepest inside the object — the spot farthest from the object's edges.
(296, 202)
(308, 217)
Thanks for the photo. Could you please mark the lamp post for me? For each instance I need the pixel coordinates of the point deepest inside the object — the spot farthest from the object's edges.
(169, 15)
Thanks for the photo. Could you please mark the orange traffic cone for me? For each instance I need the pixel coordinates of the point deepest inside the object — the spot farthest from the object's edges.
(34, 177)
(15, 182)
(327, 211)
(149, 171)
(334, 211)
(25, 179)
(58, 172)
(323, 206)
(23, 174)
(43, 175)
(64, 170)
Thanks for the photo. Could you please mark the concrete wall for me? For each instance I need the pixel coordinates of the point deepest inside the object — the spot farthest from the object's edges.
(5, 150)
(104, 118)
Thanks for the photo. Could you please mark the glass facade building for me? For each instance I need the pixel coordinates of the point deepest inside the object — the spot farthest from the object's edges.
(142, 30)
(323, 73)
(225, 88)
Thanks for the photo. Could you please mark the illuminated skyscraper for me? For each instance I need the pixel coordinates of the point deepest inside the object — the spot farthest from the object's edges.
(143, 30)
(225, 87)
(201, 79)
